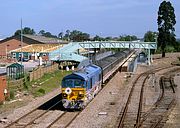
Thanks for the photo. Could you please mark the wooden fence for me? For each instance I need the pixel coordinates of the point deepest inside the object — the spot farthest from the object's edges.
(34, 75)
(40, 71)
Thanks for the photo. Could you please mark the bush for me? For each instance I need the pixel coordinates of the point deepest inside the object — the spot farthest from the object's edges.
(41, 91)
(12, 94)
(158, 51)
(170, 49)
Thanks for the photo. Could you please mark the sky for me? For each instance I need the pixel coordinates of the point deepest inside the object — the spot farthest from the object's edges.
(96, 17)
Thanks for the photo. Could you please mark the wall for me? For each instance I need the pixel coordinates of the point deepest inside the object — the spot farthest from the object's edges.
(10, 45)
(3, 86)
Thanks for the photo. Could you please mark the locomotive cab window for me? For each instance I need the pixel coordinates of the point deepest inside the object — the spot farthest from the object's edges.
(91, 83)
(67, 83)
(100, 77)
(78, 83)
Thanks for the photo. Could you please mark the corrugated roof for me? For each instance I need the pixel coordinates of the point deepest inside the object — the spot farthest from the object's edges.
(38, 48)
(45, 40)
(17, 65)
(36, 39)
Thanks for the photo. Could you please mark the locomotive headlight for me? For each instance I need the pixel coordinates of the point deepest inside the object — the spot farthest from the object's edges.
(64, 95)
(68, 91)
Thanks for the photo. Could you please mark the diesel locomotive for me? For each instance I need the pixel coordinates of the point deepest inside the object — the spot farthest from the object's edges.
(82, 86)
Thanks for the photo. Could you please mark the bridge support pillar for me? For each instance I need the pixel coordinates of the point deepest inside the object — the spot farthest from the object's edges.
(149, 56)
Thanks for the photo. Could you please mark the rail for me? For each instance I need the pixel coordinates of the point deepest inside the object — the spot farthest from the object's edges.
(140, 119)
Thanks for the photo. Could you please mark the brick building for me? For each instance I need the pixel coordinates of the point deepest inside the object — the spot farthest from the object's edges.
(3, 87)
(12, 43)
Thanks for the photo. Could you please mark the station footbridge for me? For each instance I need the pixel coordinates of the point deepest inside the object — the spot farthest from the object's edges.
(70, 52)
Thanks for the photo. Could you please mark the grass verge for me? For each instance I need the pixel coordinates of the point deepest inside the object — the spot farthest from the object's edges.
(47, 83)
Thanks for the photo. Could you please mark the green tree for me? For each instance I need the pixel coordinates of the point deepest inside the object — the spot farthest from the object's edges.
(46, 34)
(79, 36)
(166, 21)
(98, 38)
(108, 38)
(66, 36)
(41, 32)
(150, 36)
(18, 32)
(127, 38)
(60, 35)
(25, 30)
(28, 30)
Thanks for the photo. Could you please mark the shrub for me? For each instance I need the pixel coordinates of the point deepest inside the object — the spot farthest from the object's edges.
(170, 49)
(12, 94)
(41, 91)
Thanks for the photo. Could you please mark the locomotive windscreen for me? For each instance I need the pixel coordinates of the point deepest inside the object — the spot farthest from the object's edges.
(73, 83)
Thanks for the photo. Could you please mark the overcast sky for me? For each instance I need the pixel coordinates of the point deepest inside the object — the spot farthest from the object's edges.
(101, 17)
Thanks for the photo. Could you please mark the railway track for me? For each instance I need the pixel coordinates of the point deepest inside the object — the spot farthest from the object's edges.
(128, 117)
(45, 119)
(157, 115)
(132, 115)
(64, 120)
(29, 118)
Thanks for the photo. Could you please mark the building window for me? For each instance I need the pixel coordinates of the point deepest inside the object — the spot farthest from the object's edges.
(14, 55)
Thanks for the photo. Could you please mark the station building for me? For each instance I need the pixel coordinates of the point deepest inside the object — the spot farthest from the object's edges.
(31, 47)
(34, 51)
